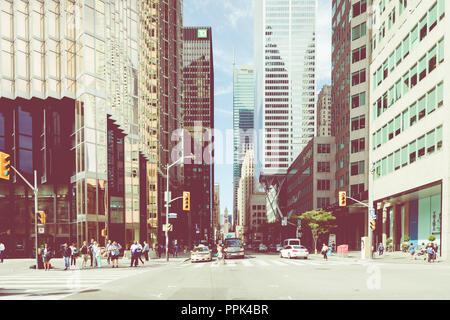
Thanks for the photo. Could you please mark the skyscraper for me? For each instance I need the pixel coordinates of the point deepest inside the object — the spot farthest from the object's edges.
(285, 70)
(243, 121)
(73, 108)
(198, 107)
(324, 112)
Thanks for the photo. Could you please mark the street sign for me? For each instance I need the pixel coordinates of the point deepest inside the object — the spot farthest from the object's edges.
(165, 196)
(169, 229)
(173, 215)
(372, 215)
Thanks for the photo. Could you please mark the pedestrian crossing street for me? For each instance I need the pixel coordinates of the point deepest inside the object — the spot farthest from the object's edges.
(56, 284)
(264, 263)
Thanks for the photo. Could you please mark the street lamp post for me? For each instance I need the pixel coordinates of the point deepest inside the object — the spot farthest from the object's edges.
(168, 201)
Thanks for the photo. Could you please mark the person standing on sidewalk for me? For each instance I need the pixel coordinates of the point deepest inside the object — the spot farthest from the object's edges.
(380, 249)
(85, 253)
(430, 251)
(139, 252)
(66, 252)
(133, 248)
(108, 252)
(412, 250)
(2, 251)
(146, 250)
(175, 250)
(324, 251)
(98, 254)
(46, 256)
(73, 255)
(115, 251)
(435, 247)
(91, 253)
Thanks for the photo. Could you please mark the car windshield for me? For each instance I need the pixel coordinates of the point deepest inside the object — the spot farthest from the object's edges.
(201, 249)
(298, 247)
(233, 243)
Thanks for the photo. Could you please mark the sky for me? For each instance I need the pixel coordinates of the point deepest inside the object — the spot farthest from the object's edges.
(232, 28)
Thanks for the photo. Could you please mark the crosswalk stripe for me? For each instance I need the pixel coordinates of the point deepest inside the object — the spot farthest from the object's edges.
(247, 263)
(200, 265)
(262, 263)
(278, 263)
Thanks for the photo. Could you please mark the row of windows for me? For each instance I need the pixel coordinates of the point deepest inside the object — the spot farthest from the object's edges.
(359, 8)
(359, 77)
(357, 168)
(359, 123)
(418, 33)
(359, 54)
(408, 154)
(410, 116)
(359, 31)
(410, 79)
(358, 100)
(358, 145)
(323, 148)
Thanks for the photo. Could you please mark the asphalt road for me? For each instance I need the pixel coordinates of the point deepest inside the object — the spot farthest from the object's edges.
(257, 277)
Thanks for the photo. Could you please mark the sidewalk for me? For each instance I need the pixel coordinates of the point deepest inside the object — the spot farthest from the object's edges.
(387, 257)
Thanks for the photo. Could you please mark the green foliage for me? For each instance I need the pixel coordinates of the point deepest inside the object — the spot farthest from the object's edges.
(319, 221)
(431, 238)
(405, 238)
(389, 241)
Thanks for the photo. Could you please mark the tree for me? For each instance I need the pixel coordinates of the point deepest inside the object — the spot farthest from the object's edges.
(319, 221)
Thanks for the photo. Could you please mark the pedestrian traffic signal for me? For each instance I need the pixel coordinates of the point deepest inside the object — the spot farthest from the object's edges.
(342, 198)
(186, 201)
(103, 232)
(4, 166)
(41, 216)
(372, 224)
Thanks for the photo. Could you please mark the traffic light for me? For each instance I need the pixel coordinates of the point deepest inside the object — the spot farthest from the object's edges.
(342, 198)
(186, 201)
(103, 232)
(42, 216)
(4, 166)
(372, 224)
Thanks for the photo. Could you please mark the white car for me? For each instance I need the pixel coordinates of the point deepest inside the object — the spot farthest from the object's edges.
(201, 253)
(294, 252)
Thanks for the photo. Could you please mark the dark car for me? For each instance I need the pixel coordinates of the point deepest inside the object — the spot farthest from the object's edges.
(233, 248)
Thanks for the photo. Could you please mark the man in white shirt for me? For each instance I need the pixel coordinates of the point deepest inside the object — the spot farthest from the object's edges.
(2, 251)
(133, 250)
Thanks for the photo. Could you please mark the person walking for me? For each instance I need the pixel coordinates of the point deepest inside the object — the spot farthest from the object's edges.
(98, 254)
(412, 250)
(66, 252)
(435, 247)
(146, 250)
(158, 250)
(73, 255)
(46, 256)
(108, 252)
(430, 252)
(133, 251)
(220, 258)
(380, 249)
(324, 251)
(115, 251)
(2, 251)
(139, 252)
(85, 254)
(333, 247)
(175, 250)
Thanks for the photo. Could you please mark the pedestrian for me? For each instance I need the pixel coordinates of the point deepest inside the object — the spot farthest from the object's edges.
(133, 251)
(430, 251)
(435, 252)
(333, 248)
(108, 252)
(146, 250)
(220, 258)
(73, 255)
(139, 252)
(115, 251)
(85, 253)
(412, 250)
(98, 254)
(324, 251)
(2, 251)
(66, 252)
(175, 250)
(91, 252)
(46, 256)
(158, 250)
(380, 249)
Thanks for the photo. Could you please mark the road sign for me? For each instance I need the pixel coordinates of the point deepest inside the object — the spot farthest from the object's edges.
(170, 227)
(41, 229)
(372, 215)
(173, 215)
(167, 199)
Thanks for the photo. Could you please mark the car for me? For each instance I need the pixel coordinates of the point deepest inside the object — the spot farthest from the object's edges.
(262, 248)
(294, 252)
(278, 247)
(233, 248)
(201, 253)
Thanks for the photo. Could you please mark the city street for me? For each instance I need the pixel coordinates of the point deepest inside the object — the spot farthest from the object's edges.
(257, 277)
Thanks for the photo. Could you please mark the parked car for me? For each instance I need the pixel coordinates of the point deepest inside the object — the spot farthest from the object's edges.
(201, 253)
(233, 248)
(294, 252)
(262, 247)
(278, 247)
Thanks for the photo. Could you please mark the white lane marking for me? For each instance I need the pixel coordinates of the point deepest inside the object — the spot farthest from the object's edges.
(247, 263)
(277, 262)
(261, 262)
(199, 265)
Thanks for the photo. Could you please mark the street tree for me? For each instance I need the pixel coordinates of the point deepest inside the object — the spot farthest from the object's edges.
(319, 222)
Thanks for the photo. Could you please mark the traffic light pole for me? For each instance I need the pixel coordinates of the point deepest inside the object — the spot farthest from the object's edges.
(35, 189)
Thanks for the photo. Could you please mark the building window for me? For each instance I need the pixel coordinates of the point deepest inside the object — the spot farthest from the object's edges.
(323, 167)
(323, 185)
(323, 148)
